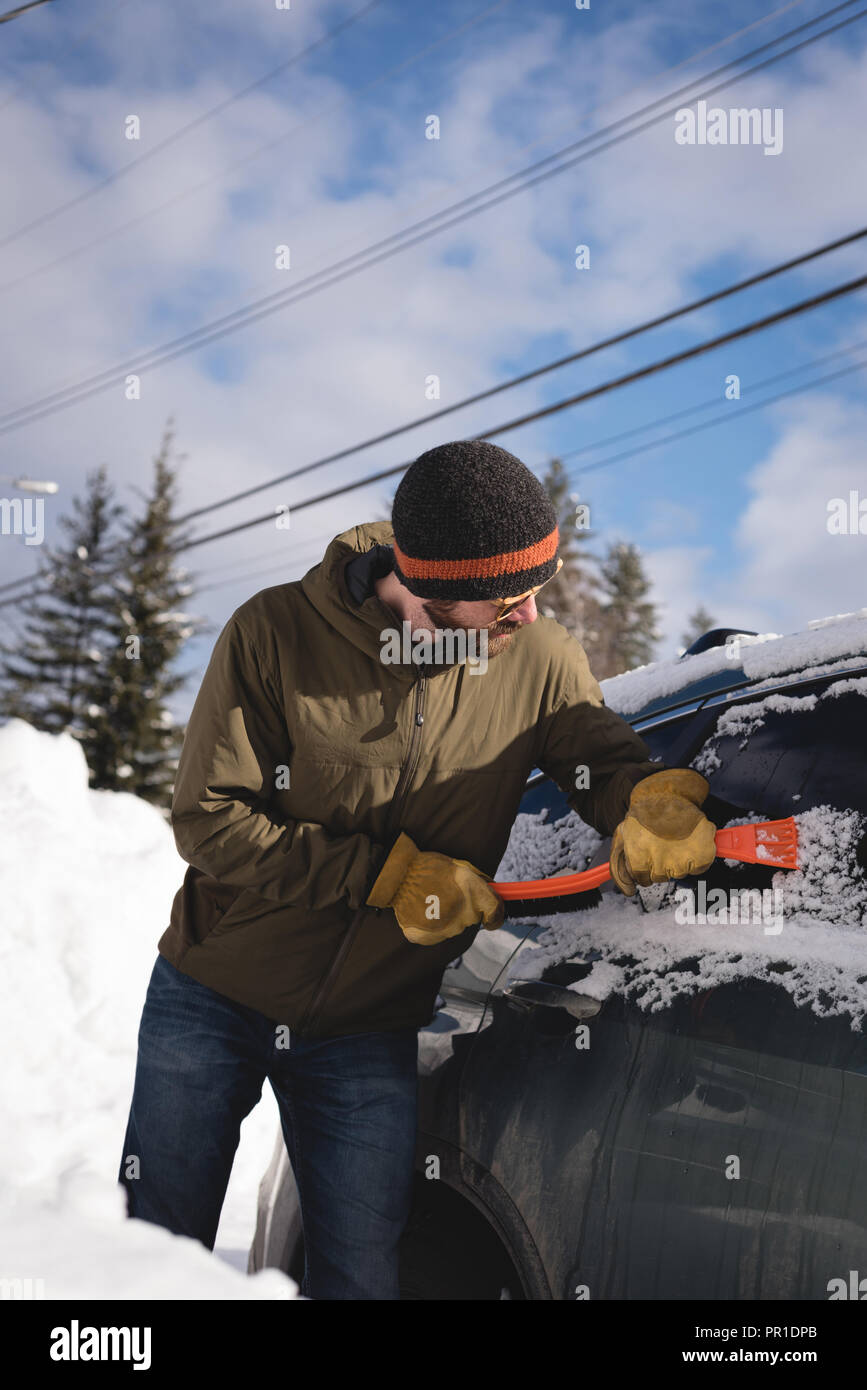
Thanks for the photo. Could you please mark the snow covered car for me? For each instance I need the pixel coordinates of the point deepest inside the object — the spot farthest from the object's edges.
(636, 1098)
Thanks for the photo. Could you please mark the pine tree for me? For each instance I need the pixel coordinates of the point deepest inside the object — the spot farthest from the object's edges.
(48, 679)
(698, 623)
(133, 742)
(629, 616)
(571, 596)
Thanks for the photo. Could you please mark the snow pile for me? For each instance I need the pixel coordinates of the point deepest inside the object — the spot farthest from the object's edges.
(88, 881)
(829, 644)
(819, 953)
(81, 1245)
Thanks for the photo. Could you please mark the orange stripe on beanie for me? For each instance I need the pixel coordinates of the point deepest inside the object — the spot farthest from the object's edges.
(509, 563)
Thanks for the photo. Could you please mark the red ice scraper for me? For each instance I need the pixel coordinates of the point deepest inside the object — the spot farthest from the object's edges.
(773, 843)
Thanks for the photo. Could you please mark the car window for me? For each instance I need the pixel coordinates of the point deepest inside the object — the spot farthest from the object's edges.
(544, 794)
(780, 754)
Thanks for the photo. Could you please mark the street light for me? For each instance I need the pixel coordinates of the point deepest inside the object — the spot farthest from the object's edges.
(30, 484)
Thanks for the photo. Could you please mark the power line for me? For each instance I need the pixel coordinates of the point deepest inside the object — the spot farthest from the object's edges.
(706, 405)
(194, 124)
(651, 369)
(22, 9)
(727, 417)
(638, 374)
(693, 58)
(406, 63)
(281, 565)
(273, 303)
(647, 425)
(366, 87)
(70, 47)
(763, 275)
(238, 564)
(611, 341)
(722, 419)
(187, 191)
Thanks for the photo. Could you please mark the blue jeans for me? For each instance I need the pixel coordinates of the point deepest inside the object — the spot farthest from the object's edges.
(348, 1109)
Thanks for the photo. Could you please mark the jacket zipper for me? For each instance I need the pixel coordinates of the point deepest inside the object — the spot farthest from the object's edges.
(407, 773)
(409, 768)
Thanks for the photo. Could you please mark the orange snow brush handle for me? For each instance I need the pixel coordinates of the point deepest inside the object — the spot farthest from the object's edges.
(773, 843)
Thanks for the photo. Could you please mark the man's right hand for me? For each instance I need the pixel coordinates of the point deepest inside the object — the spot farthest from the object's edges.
(432, 896)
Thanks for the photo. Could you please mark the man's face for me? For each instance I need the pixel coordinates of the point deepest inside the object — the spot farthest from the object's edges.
(464, 616)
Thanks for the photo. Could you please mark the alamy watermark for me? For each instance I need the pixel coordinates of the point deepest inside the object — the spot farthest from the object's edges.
(77, 1343)
(15, 1287)
(435, 648)
(730, 907)
(23, 516)
(739, 126)
(847, 516)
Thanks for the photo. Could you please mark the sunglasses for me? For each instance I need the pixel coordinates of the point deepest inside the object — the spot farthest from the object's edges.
(508, 605)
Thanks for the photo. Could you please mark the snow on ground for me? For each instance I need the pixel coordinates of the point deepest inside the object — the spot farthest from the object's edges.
(88, 881)
(81, 1245)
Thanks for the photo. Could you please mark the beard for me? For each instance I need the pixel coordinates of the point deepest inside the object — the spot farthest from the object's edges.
(500, 634)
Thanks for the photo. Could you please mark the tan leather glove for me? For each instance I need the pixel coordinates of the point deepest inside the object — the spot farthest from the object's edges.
(434, 897)
(663, 834)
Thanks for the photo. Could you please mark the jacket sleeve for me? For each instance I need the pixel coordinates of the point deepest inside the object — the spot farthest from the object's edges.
(222, 815)
(582, 732)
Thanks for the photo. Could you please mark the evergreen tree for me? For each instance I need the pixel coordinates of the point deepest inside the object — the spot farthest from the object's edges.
(698, 623)
(48, 678)
(629, 616)
(571, 596)
(133, 742)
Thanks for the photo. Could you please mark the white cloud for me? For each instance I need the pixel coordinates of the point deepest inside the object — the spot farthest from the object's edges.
(677, 574)
(788, 560)
(351, 362)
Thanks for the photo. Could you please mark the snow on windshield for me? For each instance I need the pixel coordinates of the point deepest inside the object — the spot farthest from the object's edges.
(742, 720)
(538, 848)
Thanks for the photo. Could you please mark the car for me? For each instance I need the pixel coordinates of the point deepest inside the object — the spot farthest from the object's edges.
(615, 1106)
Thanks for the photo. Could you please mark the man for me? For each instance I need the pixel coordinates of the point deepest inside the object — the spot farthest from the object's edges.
(343, 813)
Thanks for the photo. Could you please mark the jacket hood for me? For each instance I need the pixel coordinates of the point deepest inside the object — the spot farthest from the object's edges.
(326, 588)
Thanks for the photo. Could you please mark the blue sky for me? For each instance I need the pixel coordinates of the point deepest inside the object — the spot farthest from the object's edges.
(328, 157)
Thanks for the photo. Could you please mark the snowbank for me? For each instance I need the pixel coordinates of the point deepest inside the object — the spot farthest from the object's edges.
(83, 1246)
(88, 880)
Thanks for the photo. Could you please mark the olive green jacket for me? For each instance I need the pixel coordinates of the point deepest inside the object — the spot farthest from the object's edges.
(306, 755)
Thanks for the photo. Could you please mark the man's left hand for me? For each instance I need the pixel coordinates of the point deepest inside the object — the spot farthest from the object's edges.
(663, 834)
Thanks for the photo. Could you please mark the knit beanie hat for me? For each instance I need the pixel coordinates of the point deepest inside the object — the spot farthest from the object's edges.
(471, 521)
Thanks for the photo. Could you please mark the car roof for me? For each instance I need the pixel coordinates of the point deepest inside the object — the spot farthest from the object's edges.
(826, 647)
